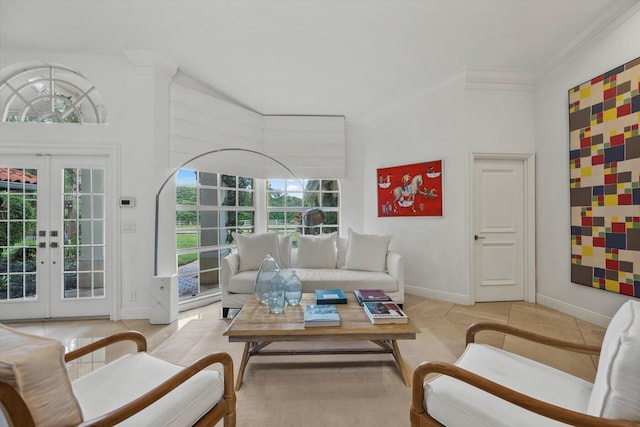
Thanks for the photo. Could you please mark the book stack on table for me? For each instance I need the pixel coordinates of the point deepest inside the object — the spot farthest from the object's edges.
(384, 312)
(370, 295)
(330, 296)
(321, 315)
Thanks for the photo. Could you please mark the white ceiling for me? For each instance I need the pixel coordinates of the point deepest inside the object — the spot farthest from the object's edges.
(337, 57)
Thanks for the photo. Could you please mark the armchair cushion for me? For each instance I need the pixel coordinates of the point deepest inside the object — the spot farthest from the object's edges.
(35, 367)
(616, 390)
(478, 408)
(129, 377)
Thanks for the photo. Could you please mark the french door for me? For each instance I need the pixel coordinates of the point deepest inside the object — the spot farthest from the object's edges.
(53, 238)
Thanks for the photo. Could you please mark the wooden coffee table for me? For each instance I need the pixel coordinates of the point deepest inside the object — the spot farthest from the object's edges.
(257, 328)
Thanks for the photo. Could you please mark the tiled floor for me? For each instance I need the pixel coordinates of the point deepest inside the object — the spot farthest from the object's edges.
(442, 324)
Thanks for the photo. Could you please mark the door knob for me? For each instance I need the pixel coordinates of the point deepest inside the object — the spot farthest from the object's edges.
(476, 237)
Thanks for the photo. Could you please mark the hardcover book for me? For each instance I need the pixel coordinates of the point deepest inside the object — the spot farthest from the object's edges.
(380, 313)
(330, 296)
(370, 295)
(321, 315)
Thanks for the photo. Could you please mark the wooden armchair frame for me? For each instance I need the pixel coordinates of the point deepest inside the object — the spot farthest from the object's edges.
(420, 417)
(225, 409)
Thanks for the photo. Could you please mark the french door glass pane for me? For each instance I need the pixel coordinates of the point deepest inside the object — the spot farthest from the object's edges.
(18, 216)
(83, 244)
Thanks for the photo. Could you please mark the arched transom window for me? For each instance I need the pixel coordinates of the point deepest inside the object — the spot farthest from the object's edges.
(50, 94)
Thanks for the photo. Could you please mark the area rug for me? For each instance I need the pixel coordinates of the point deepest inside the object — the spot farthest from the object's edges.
(304, 390)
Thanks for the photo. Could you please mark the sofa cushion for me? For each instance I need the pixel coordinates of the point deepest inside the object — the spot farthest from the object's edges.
(347, 280)
(616, 390)
(322, 278)
(342, 244)
(284, 250)
(367, 252)
(317, 251)
(478, 408)
(35, 367)
(252, 248)
(133, 375)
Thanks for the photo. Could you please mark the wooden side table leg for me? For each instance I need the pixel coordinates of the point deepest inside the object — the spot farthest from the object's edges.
(401, 365)
(243, 364)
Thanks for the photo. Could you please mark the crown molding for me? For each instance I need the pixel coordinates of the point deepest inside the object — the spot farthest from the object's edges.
(499, 79)
(605, 24)
(147, 61)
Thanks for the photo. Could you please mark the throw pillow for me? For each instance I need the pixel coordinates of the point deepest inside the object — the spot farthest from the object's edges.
(317, 251)
(367, 252)
(35, 367)
(616, 390)
(252, 248)
(342, 243)
(284, 247)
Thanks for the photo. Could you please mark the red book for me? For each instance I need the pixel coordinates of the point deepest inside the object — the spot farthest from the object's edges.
(370, 295)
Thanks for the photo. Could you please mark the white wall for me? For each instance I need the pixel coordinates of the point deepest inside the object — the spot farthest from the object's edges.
(446, 122)
(552, 134)
(351, 186)
(132, 95)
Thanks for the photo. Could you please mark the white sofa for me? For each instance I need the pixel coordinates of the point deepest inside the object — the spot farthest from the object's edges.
(237, 285)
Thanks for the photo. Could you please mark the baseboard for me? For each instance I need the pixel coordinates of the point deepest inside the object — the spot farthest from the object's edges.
(135, 313)
(573, 310)
(439, 295)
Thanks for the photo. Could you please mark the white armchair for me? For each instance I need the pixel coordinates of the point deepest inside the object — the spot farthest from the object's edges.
(492, 387)
(134, 390)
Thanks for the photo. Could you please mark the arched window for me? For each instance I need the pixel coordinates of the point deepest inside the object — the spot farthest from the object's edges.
(50, 94)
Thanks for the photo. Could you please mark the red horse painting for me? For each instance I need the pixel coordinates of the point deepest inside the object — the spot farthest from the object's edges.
(410, 190)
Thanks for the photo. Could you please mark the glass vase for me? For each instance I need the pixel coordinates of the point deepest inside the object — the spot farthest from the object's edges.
(293, 289)
(268, 269)
(276, 294)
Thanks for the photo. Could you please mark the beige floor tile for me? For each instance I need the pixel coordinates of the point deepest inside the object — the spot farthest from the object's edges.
(537, 318)
(422, 310)
(82, 328)
(591, 333)
(481, 312)
(451, 335)
(426, 347)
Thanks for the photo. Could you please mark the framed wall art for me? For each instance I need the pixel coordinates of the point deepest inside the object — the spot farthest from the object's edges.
(410, 190)
(604, 140)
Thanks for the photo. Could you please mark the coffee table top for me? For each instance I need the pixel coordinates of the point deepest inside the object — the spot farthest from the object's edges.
(256, 323)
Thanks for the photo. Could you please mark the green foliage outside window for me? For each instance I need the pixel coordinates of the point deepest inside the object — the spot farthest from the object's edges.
(15, 208)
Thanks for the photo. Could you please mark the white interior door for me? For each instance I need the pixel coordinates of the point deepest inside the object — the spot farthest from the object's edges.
(53, 241)
(498, 216)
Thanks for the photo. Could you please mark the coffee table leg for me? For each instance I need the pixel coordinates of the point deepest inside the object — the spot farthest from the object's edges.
(403, 368)
(243, 364)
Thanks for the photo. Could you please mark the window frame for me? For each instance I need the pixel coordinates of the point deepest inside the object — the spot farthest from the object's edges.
(222, 223)
(307, 190)
(50, 94)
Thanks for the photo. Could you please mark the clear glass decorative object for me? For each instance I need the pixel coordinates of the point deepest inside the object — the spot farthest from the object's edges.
(268, 269)
(276, 294)
(293, 289)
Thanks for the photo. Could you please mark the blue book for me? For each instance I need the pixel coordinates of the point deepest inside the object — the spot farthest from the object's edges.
(321, 315)
(330, 296)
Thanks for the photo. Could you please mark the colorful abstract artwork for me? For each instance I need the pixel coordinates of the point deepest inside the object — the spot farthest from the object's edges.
(605, 180)
(410, 190)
